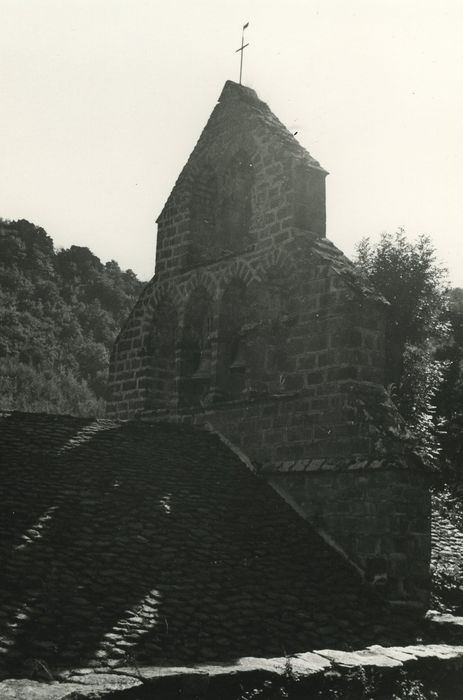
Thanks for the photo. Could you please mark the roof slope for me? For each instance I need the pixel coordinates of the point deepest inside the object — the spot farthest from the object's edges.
(154, 543)
(245, 108)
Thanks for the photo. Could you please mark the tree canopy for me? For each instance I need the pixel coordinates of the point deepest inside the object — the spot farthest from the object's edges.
(60, 312)
(415, 284)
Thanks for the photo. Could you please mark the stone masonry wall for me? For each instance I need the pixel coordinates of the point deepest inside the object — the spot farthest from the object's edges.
(303, 341)
(380, 516)
(241, 123)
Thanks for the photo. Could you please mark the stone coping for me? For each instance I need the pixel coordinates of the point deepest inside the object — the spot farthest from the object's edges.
(322, 465)
(311, 670)
(445, 619)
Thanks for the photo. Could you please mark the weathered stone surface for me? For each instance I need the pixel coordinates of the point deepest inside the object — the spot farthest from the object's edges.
(98, 688)
(447, 565)
(440, 651)
(359, 658)
(318, 673)
(34, 690)
(107, 681)
(396, 653)
(445, 619)
(393, 551)
(314, 661)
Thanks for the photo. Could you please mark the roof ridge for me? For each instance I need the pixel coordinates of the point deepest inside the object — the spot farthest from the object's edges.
(340, 263)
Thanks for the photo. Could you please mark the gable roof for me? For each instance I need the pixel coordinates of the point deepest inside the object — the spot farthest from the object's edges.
(234, 92)
(154, 543)
(243, 104)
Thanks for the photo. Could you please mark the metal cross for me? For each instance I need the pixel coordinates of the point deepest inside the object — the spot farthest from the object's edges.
(241, 49)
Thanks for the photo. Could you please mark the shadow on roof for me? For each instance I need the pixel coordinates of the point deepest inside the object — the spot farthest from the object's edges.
(153, 543)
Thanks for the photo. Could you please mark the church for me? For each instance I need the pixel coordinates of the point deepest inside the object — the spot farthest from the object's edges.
(257, 327)
(251, 491)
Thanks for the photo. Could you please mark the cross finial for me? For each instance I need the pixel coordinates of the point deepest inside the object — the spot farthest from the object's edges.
(241, 49)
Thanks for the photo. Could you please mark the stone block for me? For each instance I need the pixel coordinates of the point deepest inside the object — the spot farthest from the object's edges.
(316, 342)
(314, 378)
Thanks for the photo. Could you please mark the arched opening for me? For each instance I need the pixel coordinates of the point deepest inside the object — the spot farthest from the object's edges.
(233, 214)
(203, 217)
(162, 352)
(309, 199)
(267, 355)
(220, 209)
(197, 349)
(232, 351)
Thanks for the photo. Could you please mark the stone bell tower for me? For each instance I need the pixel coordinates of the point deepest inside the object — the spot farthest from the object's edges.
(258, 326)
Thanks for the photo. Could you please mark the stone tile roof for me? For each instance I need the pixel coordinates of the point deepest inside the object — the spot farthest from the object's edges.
(325, 250)
(153, 543)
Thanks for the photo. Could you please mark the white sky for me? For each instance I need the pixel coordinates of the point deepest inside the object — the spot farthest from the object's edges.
(102, 101)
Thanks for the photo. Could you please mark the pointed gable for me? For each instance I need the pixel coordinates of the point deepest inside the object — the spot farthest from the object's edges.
(246, 171)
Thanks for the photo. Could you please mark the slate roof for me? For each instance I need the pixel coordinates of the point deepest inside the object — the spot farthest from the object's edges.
(325, 250)
(154, 543)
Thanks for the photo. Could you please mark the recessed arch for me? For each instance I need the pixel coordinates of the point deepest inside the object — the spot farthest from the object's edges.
(196, 352)
(270, 301)
(309, 199)
(220, 207)
(161, 350)
(203, 214)
(233, 210)
(232, 340)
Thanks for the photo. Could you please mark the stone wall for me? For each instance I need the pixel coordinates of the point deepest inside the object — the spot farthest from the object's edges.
(298, 327)
(380, 516)
(377, 672)
(247, 184)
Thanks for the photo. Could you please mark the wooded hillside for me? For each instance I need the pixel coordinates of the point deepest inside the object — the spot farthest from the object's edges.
(60, 311)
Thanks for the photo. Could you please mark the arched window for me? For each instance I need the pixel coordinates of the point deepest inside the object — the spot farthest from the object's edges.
(232, 350)
(309, 200)
(196, 351)
(162, 352)
(267, 350)
(220, 209)
(203, 217)
(233, 213)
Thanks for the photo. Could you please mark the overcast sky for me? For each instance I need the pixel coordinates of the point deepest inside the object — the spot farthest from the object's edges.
(102, 101)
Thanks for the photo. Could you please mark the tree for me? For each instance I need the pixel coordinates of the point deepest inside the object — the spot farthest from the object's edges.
(415, 285)
(450, 396)
(59, 315)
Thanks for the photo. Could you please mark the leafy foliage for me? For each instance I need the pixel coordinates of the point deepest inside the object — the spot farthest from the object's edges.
(449, 505)
(414, 283)
(447, 559)
(450, 396)
(60, 312)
